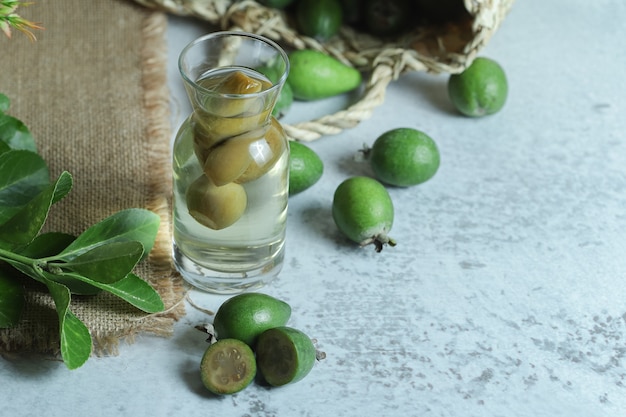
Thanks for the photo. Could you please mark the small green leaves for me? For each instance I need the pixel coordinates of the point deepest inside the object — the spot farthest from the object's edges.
(15, 134)
(102, 258)
(9, 19)
(136, 292)
(131, 289)
(74, 336)
(107, 263)
(132, 224)
(12, 131)
(26, 223)
(47, 244)
(4, 103)
(24, 175)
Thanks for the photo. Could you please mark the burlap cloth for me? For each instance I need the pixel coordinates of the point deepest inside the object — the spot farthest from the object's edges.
(92, 90)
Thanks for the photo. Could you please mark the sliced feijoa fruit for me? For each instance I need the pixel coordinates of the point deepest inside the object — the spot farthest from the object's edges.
(227, 366)
(284, 355)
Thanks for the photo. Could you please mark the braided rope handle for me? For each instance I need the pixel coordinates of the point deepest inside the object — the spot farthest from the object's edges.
(384, 62)
(249, 16)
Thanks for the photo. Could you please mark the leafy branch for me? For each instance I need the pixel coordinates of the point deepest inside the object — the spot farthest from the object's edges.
(10, 19)
(102, 258)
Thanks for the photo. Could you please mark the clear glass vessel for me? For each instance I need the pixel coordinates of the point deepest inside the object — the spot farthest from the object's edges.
(231, 164)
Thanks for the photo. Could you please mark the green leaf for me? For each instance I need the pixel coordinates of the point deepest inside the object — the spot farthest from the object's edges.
(26, 224)
(4, 147)
(76, 344)
(11, 300)
(5, 103)
(75, 339)
(76, 286)
(106, 263)
(23, 175)
(46, 245)
(139, 225)
(138, 293)
(63, 186)
(28, 269)
(15, 134)
(131, 289)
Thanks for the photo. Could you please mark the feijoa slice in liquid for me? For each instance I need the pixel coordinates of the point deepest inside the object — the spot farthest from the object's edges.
(227, 366)
(284, 355)
(215, 207)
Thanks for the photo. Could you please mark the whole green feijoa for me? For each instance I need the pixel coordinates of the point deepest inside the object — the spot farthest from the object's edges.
(404, 157)
(362, 210)
(284, 355)
(305, 167)
(315, 75)
(480, 90)
(245, 316)
(284, 102)
(285, 97)
(320, 19)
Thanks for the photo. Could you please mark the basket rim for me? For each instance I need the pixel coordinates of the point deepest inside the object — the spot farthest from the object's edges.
(382, 61)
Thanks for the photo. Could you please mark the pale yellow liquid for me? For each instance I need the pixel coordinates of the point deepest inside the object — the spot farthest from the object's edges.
(244, 255)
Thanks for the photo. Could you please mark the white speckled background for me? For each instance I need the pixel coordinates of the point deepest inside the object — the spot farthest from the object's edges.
(506, 293)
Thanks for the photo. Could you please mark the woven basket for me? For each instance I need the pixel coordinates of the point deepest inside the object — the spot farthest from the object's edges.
(442, 48)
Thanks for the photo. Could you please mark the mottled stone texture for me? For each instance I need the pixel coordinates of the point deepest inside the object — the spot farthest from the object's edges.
(505, 294)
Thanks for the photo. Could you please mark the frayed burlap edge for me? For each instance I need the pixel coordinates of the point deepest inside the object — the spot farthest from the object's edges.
(37, 339)
(165, 279)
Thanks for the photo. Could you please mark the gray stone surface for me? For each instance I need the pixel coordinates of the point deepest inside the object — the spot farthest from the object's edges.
(505, 294)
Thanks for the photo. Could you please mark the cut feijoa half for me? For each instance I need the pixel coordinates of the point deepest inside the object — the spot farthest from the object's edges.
(227, 366)
(284, 355)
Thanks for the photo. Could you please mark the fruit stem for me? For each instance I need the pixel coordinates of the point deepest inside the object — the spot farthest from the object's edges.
(379, 241)
(363, 154)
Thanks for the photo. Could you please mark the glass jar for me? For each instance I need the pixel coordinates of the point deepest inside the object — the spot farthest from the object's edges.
(230, 164)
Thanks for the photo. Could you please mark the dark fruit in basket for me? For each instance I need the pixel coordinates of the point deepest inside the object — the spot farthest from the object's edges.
(320, 19)
(387, 17)
(437, 11)
(276, 4)
(352, 11)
